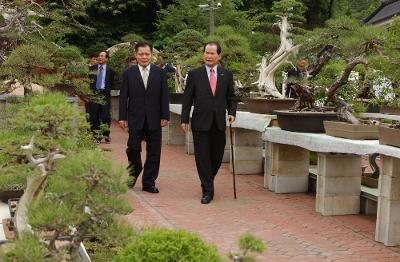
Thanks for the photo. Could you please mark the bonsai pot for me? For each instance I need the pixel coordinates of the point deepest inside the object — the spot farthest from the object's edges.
(175, 98)
(9, 194)
(268, 105)
(351, 131)
(389, 136)
(390, 110)
(305, 121)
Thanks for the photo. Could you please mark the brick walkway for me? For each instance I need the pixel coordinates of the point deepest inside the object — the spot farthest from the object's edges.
(287, 223)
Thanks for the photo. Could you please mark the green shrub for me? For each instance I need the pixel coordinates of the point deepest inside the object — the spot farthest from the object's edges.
(168, 245)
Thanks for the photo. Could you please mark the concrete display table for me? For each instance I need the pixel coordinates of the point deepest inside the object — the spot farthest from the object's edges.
(338, 175)
(247, 142)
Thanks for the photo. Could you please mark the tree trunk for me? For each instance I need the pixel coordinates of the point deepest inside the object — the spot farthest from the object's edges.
(266, 80)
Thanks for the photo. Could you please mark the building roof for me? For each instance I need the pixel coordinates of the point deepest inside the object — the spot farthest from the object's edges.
(385, 11)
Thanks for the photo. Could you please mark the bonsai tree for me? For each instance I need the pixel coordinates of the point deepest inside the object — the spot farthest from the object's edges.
(76, 197)
(56, 126)
(288, 11)
(185, 45)
(62, 69)
(342, 42)
(248, 243)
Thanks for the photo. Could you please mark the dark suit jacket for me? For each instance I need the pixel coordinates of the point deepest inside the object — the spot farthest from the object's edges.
(137, 103)
(108, 83)
(198, 93)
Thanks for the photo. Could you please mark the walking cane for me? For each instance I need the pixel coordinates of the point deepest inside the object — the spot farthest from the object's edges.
(233, 162)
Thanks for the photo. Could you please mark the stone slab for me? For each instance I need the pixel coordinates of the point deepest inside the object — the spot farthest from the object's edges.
(328, 144)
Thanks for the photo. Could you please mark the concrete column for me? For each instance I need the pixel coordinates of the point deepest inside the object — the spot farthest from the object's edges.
(189, 141)
(164, 135)
(267, 164)
(286, 168)
(247, 147)
(388, 214)
(114, 106)
(227, 152)
(338, 184)
(175, 134)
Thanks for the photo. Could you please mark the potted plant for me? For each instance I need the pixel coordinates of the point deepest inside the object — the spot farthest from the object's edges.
(183, 47)
(344, 44)
(269, 98)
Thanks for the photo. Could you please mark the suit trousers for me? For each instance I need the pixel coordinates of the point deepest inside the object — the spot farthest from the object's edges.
(98, 114)
(153, 154)
(209, 147)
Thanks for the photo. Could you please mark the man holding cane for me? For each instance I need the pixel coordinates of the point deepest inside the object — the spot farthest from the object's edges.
(210, 89)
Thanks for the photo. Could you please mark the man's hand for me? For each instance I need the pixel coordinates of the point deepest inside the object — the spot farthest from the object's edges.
(231, 119)
(185, 127)
(123, 124)
(164, 122)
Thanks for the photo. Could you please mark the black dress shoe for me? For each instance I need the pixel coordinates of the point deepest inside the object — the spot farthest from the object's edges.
(151, 189)
(206, 199)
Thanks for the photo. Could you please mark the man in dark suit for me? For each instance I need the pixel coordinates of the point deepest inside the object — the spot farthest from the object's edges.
(144, 108)
(102, 83)
(296, 74)
(210, 89)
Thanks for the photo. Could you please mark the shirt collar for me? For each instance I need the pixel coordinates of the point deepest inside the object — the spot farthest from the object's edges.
(208, 68)
(147, 67)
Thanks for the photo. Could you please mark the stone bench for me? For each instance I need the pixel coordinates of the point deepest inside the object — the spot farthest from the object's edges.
(246, 134)
(338, 175)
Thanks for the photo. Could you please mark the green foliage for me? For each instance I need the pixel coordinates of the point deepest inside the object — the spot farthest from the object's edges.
(185, 45)
(53, 68)
(248, 243)
(54, 123)
(185, 14)
(29, 248)
(132, 37)
(293, 9)
(13, 177)
(236, 53)
(22, 62)
(119, 62)
(168, 245)
(83, 192)
(114, 7)
(109, 241)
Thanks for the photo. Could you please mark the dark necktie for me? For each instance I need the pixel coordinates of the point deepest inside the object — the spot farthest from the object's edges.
(99, 78)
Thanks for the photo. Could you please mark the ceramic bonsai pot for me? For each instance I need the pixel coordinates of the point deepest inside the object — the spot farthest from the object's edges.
(351, 131)
(304, 121)
(390, 110)
(389, 136)
(268, 105)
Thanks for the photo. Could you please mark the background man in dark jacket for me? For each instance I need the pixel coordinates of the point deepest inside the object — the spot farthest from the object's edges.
(102, 83)
(210, 89)
(144, 108)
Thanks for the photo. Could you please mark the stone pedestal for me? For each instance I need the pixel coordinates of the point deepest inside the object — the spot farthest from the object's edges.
(388, 214)
(164, 135)
(338, 184)
(114, 107)
(247, 147)
(189, 141)
(176, 136)
(286, 168)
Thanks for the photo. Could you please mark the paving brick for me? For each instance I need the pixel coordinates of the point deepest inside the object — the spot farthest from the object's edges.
(288, 223)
